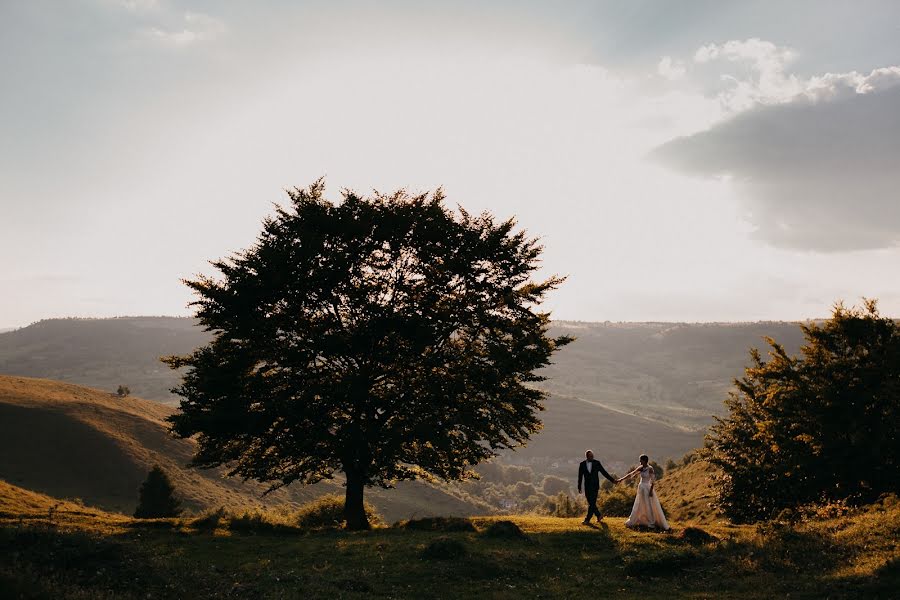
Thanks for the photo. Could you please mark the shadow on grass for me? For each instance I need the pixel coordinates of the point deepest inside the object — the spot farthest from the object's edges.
(445, 524)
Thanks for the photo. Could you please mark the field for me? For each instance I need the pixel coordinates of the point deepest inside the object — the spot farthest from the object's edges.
(77, 553)
(69, 441)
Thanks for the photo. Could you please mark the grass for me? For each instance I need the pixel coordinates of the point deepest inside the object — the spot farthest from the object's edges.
(82, 554)
(69, 441)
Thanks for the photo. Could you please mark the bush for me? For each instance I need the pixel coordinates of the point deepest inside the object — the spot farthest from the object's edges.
(157, 497)
(553, 485)
(616, 503)
(122, 391)
(258, 522)
(439, 524)
(444, 548)
(505, 530)
(328, 512)
(209, 520)
(813, 427)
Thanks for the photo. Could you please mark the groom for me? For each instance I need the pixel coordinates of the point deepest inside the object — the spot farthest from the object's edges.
(590, 470)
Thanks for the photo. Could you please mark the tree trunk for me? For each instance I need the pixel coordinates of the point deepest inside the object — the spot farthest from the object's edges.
(354, 509)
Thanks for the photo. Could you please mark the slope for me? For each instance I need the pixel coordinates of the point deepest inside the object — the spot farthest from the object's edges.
(67, 441)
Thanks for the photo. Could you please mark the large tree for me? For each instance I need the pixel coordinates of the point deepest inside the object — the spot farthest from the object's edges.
(814, 427)
(386, 337)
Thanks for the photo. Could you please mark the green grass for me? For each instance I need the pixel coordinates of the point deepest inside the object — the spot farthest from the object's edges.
(97, 555)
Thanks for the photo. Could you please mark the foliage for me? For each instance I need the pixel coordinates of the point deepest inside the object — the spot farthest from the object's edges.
(524, 490)
(157, 497)
(553, 485)
(122, 391)
(563, 505)
(617, 502)
(384, 337)
(817, 427)
(328, 512)
(496, 471)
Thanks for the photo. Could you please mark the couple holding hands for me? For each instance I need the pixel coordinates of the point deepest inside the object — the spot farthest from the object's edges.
(646, 512)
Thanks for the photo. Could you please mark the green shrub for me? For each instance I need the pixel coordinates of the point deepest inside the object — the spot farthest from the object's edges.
(209, 520)
(505, 530)
(258, 522)
(157, 497)
(328, 512)
(617, 502)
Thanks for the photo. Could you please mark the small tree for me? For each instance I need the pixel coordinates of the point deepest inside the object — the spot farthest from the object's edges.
(820, 426)
(385, 337)
(157, 497)
(122, 391)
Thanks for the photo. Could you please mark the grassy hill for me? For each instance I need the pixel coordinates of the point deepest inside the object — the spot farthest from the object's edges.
(102, 353)
(68, 441)
(687, 491)
(674, 373)
(79, 555)
(621, 388)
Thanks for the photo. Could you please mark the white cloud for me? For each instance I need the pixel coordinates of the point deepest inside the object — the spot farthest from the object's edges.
(198, 27)
(754, 74)
(671, 69)
(763, 80)
(817, 169)
(139, 5)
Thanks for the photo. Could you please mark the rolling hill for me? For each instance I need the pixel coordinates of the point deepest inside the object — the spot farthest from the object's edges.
(72, 442)
(621, 388)
(102, 353)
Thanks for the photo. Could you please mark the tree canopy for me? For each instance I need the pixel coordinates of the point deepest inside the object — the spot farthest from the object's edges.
(816, 427)
(386, 337)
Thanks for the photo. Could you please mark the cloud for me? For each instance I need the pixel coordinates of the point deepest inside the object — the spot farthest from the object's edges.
(198, 27)
(763, 80)
(671, 70)
(139, 5)
(818, 169)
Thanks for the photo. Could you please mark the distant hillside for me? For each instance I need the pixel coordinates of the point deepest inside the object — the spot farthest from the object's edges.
(68, 441)
(102, 353)
(621, 388)
(675, 373)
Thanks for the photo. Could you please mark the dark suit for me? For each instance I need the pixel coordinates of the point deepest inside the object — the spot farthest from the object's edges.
(592, 485)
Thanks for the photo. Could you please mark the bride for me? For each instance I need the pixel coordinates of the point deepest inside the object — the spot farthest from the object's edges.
(646, 511)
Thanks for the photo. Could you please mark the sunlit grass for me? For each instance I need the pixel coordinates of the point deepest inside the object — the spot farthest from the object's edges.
(82, 553)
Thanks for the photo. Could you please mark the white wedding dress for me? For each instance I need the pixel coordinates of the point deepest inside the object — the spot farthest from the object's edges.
(647, 512)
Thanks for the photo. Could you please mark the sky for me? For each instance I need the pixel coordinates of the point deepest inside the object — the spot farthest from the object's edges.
(689, 161)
